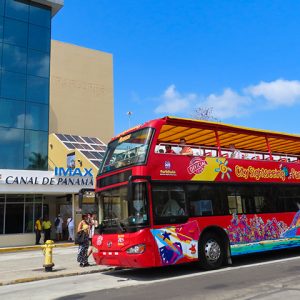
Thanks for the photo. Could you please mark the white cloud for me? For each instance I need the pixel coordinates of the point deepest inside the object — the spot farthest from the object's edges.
(8, 135)
(174, 102)
(278, 92)
(227, 105)
(230, 104)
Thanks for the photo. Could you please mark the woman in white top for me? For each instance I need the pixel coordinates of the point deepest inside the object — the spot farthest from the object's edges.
(70, 225)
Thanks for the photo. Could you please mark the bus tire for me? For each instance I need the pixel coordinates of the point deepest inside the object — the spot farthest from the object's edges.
(211, 251)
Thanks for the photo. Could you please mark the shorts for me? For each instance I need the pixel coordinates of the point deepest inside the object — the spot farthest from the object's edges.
(58, 229)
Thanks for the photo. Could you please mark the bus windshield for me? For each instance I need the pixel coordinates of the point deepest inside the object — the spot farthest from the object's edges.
(127, 150)
(121, 214)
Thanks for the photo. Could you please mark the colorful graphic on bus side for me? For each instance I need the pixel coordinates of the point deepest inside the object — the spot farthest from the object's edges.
(177, 242)
(254, 235)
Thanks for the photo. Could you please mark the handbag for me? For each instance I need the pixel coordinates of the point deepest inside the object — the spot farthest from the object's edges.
(80, 237)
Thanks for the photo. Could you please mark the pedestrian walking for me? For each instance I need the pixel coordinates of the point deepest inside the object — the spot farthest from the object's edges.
(82, 256)
(58, 223)
(70, 225)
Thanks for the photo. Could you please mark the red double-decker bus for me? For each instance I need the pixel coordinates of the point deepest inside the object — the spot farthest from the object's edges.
(178, 190)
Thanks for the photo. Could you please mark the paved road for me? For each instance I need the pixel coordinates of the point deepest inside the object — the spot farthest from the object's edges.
(275, 276)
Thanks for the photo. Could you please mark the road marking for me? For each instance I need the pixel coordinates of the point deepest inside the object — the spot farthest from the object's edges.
(227, 269)
(109, 280)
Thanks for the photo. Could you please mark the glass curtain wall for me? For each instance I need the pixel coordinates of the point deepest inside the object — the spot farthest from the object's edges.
(25, 36)
(18, 212)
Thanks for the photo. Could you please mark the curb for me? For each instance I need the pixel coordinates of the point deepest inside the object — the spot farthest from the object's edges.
(34, 247)
(52, 276)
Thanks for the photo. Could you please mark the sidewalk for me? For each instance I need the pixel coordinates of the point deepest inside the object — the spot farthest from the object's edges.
(25, 264)
(33, 247)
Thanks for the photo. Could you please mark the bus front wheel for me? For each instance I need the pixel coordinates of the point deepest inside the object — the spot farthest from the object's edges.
(211, 251)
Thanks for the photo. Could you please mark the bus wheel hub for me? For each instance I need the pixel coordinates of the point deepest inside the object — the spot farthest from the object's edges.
(212, 250)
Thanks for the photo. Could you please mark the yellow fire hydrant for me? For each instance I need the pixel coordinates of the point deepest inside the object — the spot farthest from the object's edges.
(47, 250)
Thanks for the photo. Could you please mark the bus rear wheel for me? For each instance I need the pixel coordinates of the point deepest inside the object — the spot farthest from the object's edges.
(211, 251)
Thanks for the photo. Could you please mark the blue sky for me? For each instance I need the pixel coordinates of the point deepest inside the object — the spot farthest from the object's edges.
(242, 58)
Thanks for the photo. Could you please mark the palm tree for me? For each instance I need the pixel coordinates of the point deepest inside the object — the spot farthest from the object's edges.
(38, 162)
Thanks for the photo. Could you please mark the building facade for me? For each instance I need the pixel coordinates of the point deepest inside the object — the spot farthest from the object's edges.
(46, 87)
(80, 75)
(25, 42)
(25, 37)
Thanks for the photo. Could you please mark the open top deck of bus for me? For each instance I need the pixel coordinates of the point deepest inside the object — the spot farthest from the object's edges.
(206, 133)
(215, 138)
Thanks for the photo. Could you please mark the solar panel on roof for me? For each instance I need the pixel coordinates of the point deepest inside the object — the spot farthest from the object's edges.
(61, 137)
(97, 147)
(70, 138)
(88, 140)
(86, 146)
(78, 139)
(78, 146)
(97, 155)
(88, 154)
(69, 145)
(96, 141)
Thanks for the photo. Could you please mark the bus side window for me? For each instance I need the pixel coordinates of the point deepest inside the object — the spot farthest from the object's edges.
(235, 204)
(202, 208)
(205, 199)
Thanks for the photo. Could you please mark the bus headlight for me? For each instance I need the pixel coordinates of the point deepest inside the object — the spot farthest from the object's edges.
(137, 249)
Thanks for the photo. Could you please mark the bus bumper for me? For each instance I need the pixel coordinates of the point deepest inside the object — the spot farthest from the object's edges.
(133, 250)
(123, 259)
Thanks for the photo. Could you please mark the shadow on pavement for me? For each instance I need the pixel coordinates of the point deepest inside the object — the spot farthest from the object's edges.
(158, 273)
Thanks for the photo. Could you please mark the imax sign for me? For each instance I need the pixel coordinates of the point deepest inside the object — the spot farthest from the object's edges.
(73, 172)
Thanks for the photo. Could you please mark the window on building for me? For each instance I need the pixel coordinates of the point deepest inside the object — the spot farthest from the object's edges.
(18, 212)
(36, 116)
(15, 32)
(39, 38)
(2, 200)
(40, 16)
(35, 154)
(1, 27)
(12, 148)
(37, 89)
(38, 63)
(12, 113)
(14, 58)
(17, 10)
(13, 85)
(2, 2)
(25, 39)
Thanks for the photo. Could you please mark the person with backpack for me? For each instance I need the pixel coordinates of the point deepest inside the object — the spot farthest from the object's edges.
(58, 226)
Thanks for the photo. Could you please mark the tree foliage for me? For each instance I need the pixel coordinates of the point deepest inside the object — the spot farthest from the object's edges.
(38, 162)
(205, 113)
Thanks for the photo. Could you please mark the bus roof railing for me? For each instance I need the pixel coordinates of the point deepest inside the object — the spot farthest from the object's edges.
(226, 152)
